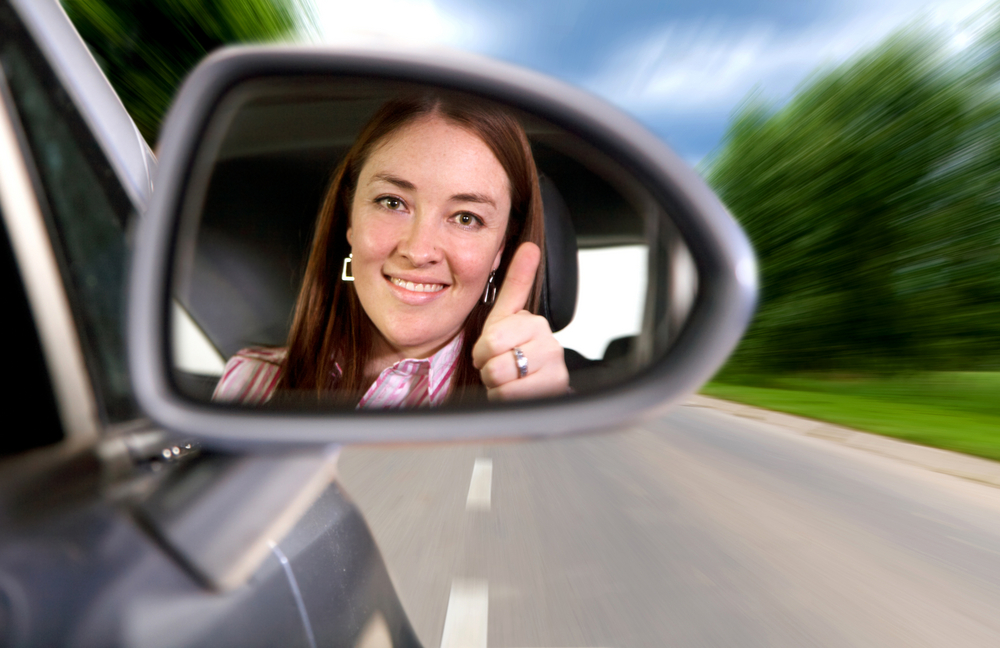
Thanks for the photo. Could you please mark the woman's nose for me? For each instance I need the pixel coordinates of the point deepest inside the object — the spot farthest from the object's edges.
(421, 242)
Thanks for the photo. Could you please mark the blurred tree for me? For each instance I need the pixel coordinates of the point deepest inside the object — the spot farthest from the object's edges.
(873, 200)
(146, 47)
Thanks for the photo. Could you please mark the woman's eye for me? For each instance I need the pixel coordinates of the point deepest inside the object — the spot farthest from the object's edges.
(390, 202)
(466, 219)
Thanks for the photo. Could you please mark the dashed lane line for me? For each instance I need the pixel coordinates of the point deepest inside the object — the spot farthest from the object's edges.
(480, 486)
(467, 617)
(465, 622)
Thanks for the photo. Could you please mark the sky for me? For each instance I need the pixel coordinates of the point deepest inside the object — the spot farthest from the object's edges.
(679, 67)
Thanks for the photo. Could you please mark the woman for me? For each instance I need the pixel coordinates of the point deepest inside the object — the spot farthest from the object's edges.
(423, 269)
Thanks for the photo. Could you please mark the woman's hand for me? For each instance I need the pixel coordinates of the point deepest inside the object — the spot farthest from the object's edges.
(509, 326)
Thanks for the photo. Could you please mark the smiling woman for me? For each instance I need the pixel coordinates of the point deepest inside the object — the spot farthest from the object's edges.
(435, 206)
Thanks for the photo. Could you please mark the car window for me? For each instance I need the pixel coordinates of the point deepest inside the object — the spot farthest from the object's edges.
(86, 210)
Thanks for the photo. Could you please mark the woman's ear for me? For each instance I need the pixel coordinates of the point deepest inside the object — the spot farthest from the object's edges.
(349, 237)
(496, 261)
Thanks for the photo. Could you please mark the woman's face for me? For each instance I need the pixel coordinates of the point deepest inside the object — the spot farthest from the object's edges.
(427, 227)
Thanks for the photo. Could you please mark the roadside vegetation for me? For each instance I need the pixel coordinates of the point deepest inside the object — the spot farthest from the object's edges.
(952, 410)
(872, 197)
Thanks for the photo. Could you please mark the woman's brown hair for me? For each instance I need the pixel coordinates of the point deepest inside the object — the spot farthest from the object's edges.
(330, 327)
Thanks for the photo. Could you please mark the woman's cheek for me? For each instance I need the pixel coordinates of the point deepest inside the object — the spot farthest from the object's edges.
(376, 239)
(474, 268)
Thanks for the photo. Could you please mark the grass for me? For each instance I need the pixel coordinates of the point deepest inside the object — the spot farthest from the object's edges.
(952, 410)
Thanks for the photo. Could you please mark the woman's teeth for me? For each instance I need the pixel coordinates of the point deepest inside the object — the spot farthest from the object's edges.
(416, 287)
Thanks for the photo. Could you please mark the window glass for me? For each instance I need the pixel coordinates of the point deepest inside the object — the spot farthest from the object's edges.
(85, 207)
(607, 309)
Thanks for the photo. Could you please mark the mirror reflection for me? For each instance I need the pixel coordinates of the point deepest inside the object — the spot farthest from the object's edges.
(377, 245)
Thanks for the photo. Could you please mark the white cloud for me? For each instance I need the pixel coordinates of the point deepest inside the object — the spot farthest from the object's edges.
(403, 22)
(708, 67)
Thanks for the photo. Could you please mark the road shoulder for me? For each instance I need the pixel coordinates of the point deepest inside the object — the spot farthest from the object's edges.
(935, 459)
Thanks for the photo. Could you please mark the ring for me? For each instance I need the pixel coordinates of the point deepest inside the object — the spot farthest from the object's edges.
(521, 361)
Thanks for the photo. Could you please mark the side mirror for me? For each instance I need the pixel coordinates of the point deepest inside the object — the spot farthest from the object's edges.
(650, 279)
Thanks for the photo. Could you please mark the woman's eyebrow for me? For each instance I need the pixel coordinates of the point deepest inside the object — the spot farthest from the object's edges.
(474, 198)
(396, 180)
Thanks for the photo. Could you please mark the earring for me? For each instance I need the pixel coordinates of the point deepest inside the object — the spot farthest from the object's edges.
(491, 290)
(347, 274)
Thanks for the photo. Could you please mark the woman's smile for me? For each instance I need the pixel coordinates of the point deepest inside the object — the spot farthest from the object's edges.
(416, 294)
(416, 287)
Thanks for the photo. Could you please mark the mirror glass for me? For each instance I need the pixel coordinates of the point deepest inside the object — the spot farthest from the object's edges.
(428, 203)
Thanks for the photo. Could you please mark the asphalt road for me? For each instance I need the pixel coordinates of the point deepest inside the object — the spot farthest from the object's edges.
(699, 529)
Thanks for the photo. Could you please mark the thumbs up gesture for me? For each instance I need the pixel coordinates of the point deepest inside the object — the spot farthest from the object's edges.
(509, 326)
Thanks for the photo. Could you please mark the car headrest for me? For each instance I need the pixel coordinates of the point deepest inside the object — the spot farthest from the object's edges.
(561, 265)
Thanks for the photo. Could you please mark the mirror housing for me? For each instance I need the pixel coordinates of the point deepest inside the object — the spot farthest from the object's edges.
(727, 276)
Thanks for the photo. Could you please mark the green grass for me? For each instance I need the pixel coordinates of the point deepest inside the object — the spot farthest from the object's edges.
(952, 410)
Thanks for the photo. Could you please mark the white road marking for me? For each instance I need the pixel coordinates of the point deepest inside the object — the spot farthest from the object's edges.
(480, 486)
(466, 618)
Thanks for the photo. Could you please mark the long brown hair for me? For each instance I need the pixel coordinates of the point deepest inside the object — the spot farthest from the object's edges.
(330, 326)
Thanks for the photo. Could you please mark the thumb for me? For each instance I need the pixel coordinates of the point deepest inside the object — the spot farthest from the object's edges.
(513, 295)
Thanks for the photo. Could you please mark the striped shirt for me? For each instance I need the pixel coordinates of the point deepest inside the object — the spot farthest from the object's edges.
(251, 375)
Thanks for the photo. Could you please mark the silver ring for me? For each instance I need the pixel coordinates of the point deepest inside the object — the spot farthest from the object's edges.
(521, 361)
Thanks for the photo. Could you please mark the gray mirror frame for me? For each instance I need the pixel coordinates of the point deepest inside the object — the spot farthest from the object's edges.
(725, 260)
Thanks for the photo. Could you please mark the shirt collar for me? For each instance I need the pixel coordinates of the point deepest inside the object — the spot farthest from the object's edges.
(396, 384)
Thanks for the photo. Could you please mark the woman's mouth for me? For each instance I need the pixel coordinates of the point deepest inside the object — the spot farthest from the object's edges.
(417, 287)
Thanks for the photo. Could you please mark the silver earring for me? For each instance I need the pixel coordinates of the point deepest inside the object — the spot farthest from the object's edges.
(347, 274)
(491, 290)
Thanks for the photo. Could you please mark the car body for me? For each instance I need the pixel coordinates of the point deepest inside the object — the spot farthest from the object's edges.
(95, 497)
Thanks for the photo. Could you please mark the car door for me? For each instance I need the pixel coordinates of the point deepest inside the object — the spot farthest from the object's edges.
(111, 531)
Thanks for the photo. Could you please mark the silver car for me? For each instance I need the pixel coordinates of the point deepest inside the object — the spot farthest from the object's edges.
(135, 512)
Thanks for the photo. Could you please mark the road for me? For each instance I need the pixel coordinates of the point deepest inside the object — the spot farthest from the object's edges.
(698, 529)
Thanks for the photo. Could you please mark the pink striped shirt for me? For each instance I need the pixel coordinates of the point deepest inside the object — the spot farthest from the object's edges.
(251, 376)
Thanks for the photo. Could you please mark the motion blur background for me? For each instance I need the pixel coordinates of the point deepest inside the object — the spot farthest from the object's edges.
(857, 142)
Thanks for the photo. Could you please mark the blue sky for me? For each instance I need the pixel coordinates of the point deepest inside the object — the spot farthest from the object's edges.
(679, 67)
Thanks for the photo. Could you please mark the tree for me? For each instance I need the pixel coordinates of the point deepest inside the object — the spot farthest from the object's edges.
(873, 201)
(146, 47)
